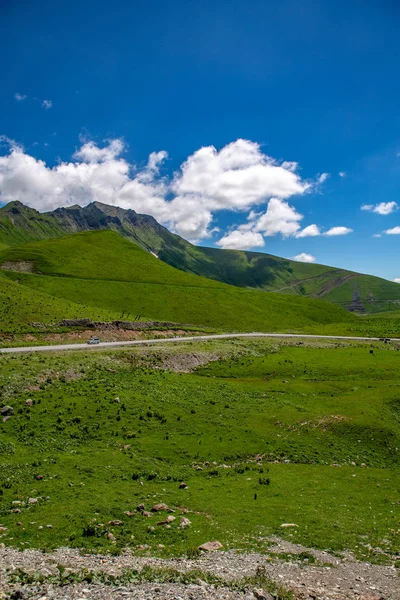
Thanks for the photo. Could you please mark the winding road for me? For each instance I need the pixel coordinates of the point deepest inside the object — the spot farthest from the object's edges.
(197, 338)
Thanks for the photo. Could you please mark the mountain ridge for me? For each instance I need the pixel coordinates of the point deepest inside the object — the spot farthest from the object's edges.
(20, 224)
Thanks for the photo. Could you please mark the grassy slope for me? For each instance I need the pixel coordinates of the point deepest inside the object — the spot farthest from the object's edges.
(103, 270)
(21, 306)
(312, 406)
(20, 224)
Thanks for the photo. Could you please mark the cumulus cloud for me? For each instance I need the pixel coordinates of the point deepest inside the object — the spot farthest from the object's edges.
(314, 230)
(396, 279)
(310, 231)
(393, 231)
(383, 208)
(342, 174)
(338, 231)
(240, 239)
(19, 97)
(279, 217)
(46, 104)
(236, 178)
(304, 257)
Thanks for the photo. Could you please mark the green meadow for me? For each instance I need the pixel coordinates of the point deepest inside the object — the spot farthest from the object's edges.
(106, 274)
(264, 433)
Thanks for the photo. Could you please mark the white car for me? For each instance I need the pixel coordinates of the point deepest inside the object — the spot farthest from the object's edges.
(94, 340)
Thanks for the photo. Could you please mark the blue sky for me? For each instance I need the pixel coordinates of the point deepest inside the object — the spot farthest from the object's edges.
(223, 97)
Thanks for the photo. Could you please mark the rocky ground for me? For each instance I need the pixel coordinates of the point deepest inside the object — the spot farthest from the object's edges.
(214, 575)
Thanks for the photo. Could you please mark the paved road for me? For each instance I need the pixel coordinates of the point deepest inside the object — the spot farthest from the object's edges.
(222, 336)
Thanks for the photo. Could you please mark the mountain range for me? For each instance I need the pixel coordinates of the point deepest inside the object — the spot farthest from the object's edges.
(20, 224)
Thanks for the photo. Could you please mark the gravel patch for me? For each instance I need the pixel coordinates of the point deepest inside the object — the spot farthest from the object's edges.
(330, 578)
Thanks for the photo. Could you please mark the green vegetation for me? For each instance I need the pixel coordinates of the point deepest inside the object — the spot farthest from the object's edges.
(268, 434)
(104, 271)
(20, 306)
(151, 575)
(20, 224)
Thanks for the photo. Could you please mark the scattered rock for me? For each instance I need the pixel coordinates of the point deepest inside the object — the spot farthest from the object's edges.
(146, 513)
(5, 419)
(141, 507)
(39, 477)
(17, 595)
(32, 500)
(111, 537)
(183, 486)
(289, 525)
(210, 546)
(49, 526)
(150, 528)
(29, 402)
(6, 411)
(128, 513)
(116, 522)
(159, 507)
(261, 595)
(168, 520)
(184, 522)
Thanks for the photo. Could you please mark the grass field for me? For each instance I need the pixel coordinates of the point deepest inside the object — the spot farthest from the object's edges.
(267, 434)
(105, 272)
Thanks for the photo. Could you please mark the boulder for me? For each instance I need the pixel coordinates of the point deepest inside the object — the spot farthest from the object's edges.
(184, 522)
(183, 486)
(6, 411)
(159, 507)
(211, 546)
(115, 522)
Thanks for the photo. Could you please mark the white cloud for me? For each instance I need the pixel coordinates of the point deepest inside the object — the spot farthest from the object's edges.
(377, 235)
(47, 104)
(279, 217)
(240, 239)
(383, 208)
(322, 178)
(91, 153)
(394, 231)
(342, 174)
(396, 279)
(19, 97)
(338, 231)
(235, 178)
(309, 231)
(304, 257)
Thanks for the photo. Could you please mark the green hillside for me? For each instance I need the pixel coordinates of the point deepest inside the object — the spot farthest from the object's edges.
(103, 270)
(21, 305)
(20, 224)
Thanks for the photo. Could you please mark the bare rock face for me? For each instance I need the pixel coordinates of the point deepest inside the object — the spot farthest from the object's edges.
(211, 546)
